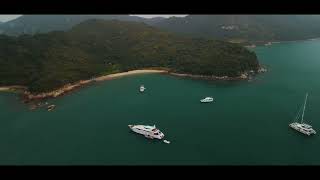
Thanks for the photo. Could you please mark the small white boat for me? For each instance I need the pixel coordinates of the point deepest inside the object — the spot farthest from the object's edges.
(142, 88)
(166, 141)
(206, 100)
(148, 131)
(302, 127)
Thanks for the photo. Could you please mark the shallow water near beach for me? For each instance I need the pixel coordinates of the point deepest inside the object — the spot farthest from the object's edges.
(247, 124)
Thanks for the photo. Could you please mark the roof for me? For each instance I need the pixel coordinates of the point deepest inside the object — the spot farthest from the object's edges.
(145, 127)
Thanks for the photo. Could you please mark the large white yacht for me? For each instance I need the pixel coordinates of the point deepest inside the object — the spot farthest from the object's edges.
(302, 127)
(148, 131)
(206, 100)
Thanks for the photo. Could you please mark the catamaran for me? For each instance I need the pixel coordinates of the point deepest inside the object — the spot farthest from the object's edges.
(302, 127)
(148, 131)
(206, 100)
(142, 88)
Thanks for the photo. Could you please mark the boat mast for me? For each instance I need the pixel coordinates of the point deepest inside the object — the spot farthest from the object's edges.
(304, 107)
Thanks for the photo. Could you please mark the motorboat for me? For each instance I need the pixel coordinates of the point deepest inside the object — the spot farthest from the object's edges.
(148, 131)
(206, 100)
(142, 88)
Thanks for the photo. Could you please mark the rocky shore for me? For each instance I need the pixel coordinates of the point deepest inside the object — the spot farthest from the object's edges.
(28, 96)
(244, 76)
(12, 88)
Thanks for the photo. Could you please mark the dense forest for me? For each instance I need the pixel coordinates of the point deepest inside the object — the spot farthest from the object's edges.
(32, 24)
(47, 61)
(246, 28)
(233, 28)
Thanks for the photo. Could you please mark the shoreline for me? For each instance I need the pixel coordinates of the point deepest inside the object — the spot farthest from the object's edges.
(269, 43)
(14, 88)
(244, 76)
(28, 97)
(128, 73)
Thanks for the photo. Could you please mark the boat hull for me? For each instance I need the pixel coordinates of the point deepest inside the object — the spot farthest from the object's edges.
(301, 130)
(146, 134)
(206, 101)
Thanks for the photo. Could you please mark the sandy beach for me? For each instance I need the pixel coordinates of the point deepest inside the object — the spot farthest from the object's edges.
(71, 87)
(4, 88)
(145, 71)
(12, 88)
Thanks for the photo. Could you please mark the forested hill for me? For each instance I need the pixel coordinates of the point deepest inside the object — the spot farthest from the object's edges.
(234, 28)
(47, 61)
(246, 28)
(32, 24)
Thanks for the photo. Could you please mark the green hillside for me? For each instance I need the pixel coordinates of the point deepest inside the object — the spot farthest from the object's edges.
(95, 47)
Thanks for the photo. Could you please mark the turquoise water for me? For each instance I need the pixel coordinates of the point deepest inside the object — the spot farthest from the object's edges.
(246, 125)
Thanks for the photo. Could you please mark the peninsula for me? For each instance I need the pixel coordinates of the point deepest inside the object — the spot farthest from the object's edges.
(51, 64)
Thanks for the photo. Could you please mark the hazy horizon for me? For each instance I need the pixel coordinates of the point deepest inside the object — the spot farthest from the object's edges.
(5, 18)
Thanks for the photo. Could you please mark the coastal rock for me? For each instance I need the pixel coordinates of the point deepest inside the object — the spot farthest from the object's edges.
(268, 44)
(262, 70)
(222, 77)
(244, 76)
(69, 87)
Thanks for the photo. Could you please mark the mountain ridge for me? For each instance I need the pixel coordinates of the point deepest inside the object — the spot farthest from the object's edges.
(32, 24)
(243, 29)
(246, 28)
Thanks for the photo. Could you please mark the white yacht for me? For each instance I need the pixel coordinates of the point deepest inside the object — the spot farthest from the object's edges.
(142, 88)
(206, 100)
(148, 131)
(300, 126)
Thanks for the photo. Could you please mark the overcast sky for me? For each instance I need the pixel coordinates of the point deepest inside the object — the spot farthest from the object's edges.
(5, 18)
(151, 16)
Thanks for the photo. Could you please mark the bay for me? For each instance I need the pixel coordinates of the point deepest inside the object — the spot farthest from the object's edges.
(247, 124)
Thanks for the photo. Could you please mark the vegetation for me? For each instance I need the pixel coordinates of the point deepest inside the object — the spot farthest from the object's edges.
(234, 28)
(242, 29)
(32, 24)
(44, 62)
(252, 28)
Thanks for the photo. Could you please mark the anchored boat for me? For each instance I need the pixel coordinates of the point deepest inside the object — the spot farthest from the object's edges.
(148, 131)
(206, 100)
(142, 88)
(300, 126)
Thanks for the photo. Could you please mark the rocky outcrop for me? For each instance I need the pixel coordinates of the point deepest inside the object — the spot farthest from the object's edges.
(227, 78)
(243, 76)
(262, 70)
(67, 88)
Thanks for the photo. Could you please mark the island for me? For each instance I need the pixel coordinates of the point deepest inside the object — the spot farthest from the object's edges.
(51, 64)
